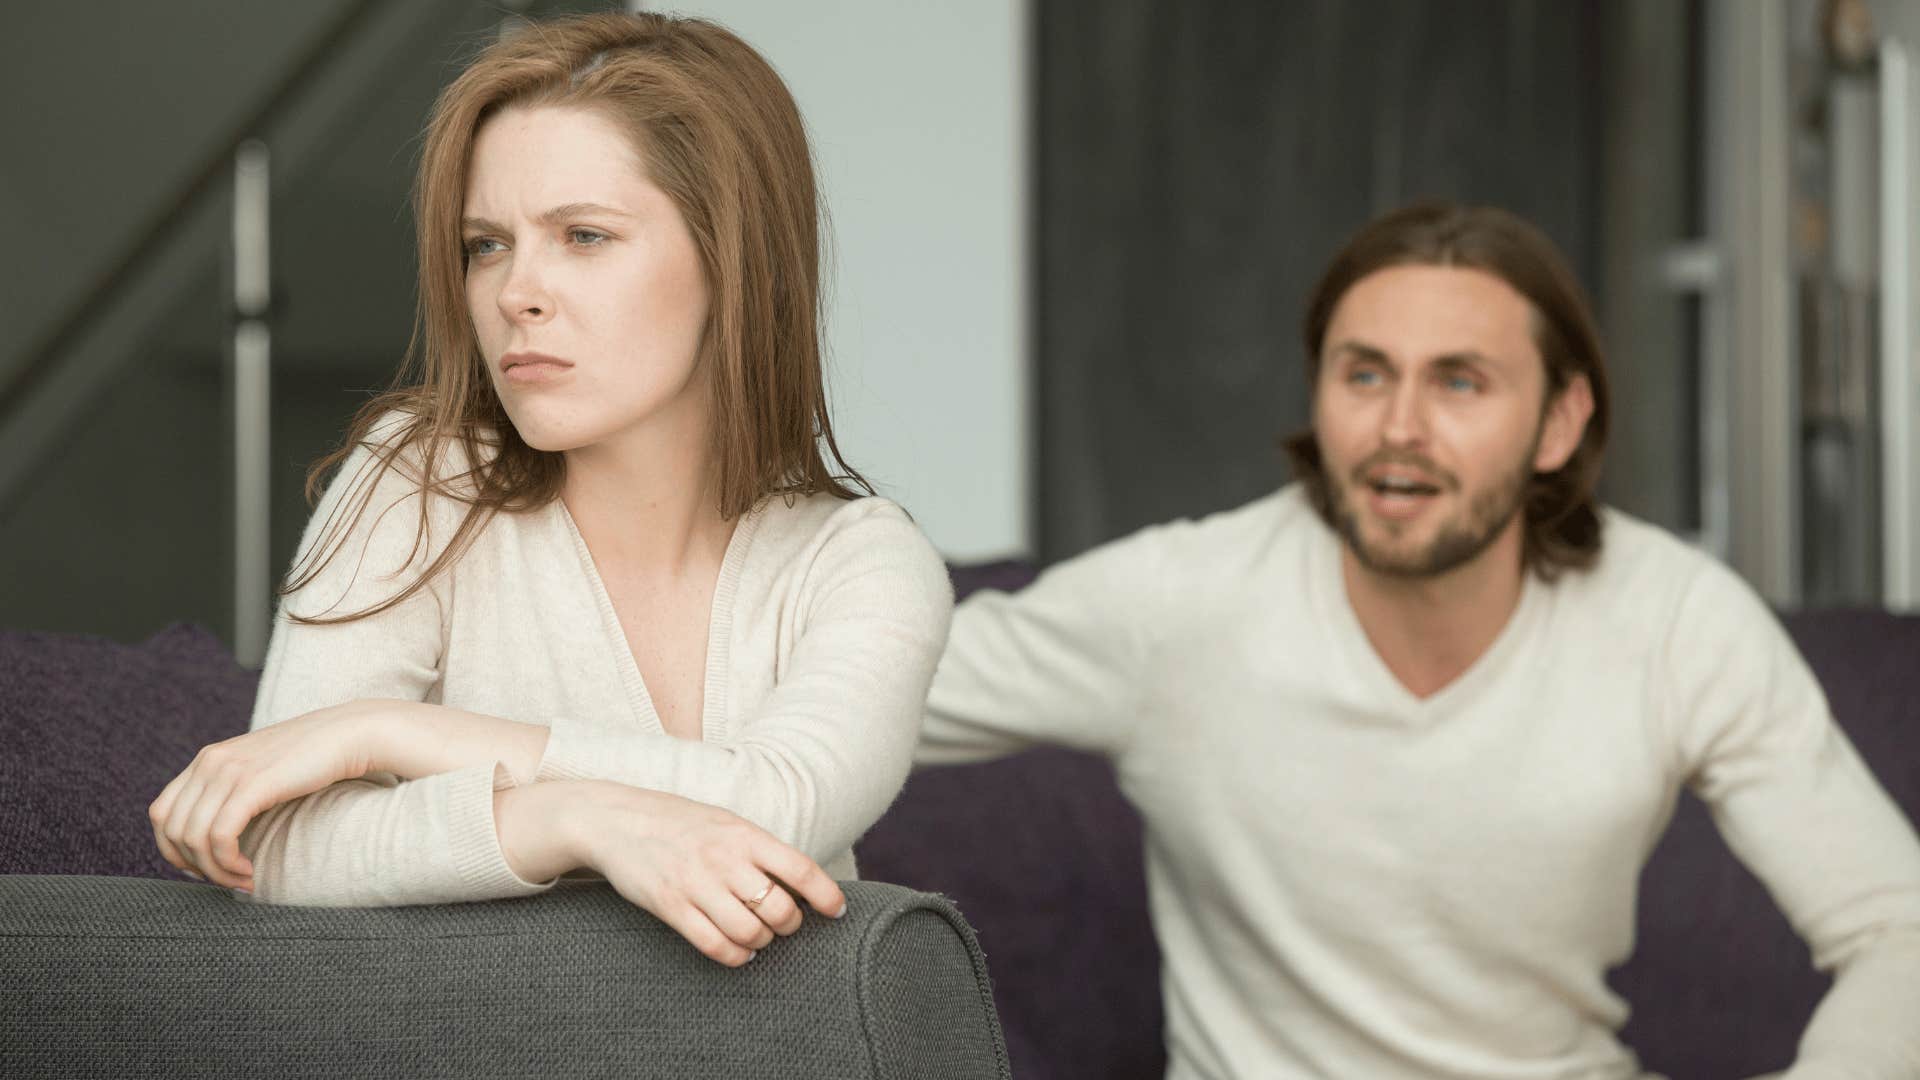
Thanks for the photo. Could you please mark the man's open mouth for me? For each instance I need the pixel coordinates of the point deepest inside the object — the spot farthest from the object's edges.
(1396, 486)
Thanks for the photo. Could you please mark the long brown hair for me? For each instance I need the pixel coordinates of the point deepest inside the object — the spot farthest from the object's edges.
(721, 136)
(1562, 518)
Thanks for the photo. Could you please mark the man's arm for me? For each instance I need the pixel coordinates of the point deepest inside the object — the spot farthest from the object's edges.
(1798, 806)
(1062, 661)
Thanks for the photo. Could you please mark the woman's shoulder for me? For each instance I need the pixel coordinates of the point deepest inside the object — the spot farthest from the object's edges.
(823, 537)
(378, 503)
(403, 446)
(824, 512)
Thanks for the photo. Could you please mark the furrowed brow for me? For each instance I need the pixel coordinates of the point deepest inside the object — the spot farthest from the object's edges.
(554, 216)
(566, 211)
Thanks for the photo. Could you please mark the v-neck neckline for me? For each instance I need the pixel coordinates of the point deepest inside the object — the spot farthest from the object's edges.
(713, 699)
(1352, 640)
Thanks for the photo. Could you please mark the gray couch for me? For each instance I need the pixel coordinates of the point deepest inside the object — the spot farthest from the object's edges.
(117, 977)
(109, 970)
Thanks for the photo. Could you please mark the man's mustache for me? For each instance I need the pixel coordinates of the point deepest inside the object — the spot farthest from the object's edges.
(1407, 458)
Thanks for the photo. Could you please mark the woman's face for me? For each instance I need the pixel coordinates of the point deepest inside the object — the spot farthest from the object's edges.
(584, 285)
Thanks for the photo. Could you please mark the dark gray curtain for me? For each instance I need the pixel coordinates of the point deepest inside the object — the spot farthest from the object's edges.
(1199, 162)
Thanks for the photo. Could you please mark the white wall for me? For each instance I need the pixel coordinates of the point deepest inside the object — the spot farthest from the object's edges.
(918, 113)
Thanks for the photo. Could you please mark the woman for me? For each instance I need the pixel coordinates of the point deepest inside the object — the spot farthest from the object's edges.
(589, 595)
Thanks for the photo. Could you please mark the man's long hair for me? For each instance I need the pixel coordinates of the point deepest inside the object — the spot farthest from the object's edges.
(1562, 517)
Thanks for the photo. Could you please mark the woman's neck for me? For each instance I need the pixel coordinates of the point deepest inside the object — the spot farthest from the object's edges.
(646, 500)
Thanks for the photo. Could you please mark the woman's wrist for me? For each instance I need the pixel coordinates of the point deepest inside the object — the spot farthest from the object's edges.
(540, 828)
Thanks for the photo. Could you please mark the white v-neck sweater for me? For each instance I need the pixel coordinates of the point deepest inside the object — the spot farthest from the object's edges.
(1348, 881)
(828, 618)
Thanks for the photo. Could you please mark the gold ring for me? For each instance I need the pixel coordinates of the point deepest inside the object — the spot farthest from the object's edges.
(764, 893)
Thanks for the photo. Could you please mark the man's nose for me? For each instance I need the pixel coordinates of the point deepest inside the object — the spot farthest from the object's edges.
(1405, 422)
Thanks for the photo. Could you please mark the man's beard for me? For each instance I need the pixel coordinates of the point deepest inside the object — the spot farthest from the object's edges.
(1459, 542)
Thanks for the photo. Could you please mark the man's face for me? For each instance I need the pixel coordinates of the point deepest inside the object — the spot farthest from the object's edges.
(1430, 416)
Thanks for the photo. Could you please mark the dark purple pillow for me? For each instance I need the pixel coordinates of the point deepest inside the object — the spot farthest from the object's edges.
(91, 730)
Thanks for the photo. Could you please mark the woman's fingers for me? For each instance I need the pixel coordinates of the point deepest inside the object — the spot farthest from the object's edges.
(693, 924)
(179, 819)
(772, 904)
(197, 835)
(242, 805)
(802, 875)
(157, 815)
(735, 919)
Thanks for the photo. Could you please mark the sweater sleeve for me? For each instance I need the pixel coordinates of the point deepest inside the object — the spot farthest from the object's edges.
(1797, 805)
(827, 750)
(376, 840)
(1061, 661)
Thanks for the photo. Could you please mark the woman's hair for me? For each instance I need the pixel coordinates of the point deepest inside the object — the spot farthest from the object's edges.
(1562, 519)
(721, 136)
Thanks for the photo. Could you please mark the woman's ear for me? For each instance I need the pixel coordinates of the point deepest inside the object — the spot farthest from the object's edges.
(1565, 425)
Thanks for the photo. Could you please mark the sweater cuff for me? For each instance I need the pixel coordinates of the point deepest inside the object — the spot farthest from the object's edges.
(566, 758)
(475, 838)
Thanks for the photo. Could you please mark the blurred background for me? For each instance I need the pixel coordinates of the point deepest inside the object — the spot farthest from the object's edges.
(1072, 241)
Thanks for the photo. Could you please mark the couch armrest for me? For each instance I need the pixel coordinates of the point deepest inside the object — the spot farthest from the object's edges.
(128, 977)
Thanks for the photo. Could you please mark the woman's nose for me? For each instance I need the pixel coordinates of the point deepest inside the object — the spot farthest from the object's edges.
(525, 295)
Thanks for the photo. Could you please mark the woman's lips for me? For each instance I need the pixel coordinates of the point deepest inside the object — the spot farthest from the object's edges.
(532, 368)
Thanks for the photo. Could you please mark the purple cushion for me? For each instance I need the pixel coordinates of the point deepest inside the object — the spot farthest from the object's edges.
(1721, 987)
(92, 730)
(1046, 851)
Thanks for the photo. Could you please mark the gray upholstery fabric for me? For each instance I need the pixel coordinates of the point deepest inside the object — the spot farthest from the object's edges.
(924, 1022)
(121, 977)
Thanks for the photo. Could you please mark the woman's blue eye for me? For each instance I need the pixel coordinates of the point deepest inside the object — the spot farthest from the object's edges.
(586, 237)
(478, 246)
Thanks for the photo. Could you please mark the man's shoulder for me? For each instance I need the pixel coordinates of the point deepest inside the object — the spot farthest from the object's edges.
(1645, 571)
(1254, 528)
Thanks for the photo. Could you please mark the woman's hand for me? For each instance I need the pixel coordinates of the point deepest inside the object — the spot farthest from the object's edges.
(198, 817)
(721, 882)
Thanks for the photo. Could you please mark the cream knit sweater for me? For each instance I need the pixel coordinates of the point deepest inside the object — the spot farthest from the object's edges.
(828, 618)
(1348, 881)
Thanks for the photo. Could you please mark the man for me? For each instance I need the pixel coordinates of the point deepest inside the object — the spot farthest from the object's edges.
(1403, 733)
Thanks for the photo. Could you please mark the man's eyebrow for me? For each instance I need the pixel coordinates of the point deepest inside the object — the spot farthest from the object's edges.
(1360, 351)
(1462, 359)
(554, 216)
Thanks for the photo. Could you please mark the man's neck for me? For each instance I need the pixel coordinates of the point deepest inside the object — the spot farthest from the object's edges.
(1429, 631)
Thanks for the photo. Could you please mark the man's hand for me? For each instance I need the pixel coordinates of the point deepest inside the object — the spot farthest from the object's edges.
(198, 817)
(723, 883)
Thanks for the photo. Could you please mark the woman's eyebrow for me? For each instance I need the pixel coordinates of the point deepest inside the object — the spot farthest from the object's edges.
(581, 209)
(550, 217)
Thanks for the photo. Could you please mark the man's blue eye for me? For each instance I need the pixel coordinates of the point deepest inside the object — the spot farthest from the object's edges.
(1461, 384)
(1363, 377)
